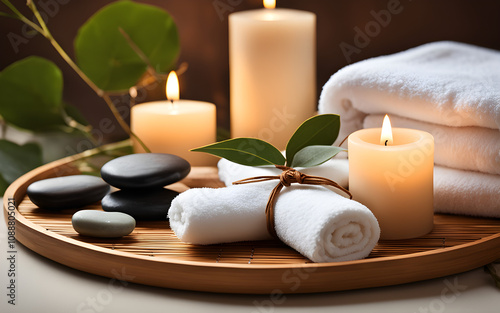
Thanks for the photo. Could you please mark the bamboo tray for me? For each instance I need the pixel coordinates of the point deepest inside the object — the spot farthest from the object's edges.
(152, 255)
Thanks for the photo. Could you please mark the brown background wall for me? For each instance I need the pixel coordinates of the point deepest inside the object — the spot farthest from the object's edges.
(204, 32)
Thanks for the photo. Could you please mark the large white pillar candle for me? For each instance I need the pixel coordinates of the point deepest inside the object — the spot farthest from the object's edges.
(395, 181)
(272, 63)
(175, 126)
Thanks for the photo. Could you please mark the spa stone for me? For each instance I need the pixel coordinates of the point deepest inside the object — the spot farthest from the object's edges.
(141, 205)
(102, 224)
(67, 191)
(145, 170)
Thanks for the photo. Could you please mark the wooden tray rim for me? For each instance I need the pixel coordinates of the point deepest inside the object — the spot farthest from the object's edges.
(17, 191)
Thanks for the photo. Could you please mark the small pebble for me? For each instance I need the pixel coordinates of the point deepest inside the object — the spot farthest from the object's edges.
(145, 170)
(102, 224)
(141, 205)
(67, 191)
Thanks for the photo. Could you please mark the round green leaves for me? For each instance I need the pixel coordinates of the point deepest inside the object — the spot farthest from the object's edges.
(107, 58)
(31, 92)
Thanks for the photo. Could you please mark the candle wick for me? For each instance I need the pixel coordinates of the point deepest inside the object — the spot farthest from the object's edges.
(386, 142)
(172, 104)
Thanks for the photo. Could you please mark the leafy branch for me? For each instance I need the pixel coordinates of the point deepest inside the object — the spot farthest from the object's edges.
(44, 31)
(123, 46)
(310, 145)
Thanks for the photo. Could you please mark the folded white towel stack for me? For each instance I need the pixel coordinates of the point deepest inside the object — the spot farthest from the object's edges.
(467, 148)
(314, 220)
(446, 83)
(449, 89)
(466, 192)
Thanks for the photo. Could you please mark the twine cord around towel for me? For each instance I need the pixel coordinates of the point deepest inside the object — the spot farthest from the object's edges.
(287, 177)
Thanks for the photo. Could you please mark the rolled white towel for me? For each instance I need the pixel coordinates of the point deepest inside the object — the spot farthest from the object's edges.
(467, 148)
(334, 169)
(320, 224)
(466, 192)
(447, 83)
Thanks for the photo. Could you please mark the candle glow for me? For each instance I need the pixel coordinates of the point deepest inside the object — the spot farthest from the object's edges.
(175, 126)
(386, 134)
(269, 4)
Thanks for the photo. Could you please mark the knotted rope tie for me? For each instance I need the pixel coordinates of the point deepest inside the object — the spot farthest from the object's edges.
(287, 177)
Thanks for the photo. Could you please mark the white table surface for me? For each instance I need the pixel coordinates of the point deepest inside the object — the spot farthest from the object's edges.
(46, 286)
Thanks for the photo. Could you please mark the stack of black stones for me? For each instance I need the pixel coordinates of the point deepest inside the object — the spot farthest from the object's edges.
(141, 179)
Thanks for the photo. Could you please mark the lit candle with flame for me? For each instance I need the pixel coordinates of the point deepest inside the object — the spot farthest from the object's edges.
(175, 126)
(391, 172)
(272, 69)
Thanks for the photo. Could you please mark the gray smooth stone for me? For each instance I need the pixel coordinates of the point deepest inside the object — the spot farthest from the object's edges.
(102, 224)
(145, 170)
(67, 191)
(141, 205)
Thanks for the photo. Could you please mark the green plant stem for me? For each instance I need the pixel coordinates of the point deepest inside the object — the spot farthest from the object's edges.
(8, 15)
(3, 128)
(43, 29)
(140, 53)
(84, 129)
(122, 123)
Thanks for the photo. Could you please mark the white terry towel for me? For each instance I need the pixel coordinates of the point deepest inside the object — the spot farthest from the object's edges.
(320, 224)
(455, 191)
(466, 192)
(467, 148)
(334, 169)
(446, 83)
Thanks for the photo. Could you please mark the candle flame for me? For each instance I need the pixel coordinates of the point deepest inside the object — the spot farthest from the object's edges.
(386, 135)
(132, 92)
(269, 4)
(172, 88)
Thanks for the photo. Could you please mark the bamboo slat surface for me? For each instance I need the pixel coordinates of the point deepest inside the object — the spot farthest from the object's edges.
(155, 238)
(152, 254)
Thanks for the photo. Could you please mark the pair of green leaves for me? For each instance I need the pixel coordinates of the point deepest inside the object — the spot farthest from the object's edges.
(310, 145)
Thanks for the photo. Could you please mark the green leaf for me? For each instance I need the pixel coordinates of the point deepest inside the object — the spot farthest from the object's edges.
(11, 16)
(318, 130)
(315, 155)
(31, 94)
(3, 185)
(245, 151)
(107, 57)
(75, 114)
(17, 160)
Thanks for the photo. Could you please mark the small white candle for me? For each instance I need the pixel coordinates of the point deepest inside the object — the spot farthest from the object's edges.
(272, 66)
(391, 172)
(175, 126)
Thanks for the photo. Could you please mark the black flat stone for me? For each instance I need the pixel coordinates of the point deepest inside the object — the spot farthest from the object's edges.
(145, 170)
(141, 205)
(67, 191)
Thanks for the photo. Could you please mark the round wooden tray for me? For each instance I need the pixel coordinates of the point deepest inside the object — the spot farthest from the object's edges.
(152, 255)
